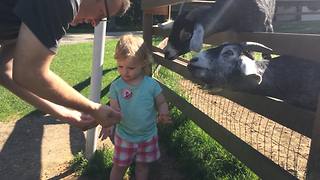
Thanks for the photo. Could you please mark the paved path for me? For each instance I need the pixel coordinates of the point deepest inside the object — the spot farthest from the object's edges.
(39, 147)
(88, 37)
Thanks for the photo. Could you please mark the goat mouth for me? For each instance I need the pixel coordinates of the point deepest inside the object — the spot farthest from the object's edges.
(192, 67)
(199, 73)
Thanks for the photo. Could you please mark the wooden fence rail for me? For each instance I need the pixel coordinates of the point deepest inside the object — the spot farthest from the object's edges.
(305, 46)
(256, 161)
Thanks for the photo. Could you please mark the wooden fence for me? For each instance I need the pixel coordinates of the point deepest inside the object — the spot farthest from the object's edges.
(305, 123)
(297, 10)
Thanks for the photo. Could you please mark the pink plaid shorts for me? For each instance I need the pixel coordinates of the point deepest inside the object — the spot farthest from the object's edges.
(125, 152)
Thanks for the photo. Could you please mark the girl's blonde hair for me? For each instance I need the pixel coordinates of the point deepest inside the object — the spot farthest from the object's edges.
(133, 48)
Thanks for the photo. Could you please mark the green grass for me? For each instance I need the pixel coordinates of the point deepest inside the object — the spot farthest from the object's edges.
(200, 156)
(98, 167)
(11, 107)
(73, 64)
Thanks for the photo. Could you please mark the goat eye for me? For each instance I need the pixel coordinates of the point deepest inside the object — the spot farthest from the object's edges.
(228, 53)
(185, 35)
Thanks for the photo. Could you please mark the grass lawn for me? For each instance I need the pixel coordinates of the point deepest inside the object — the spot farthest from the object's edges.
(73, 64)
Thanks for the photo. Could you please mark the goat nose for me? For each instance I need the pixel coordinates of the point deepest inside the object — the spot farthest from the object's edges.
(168, 56)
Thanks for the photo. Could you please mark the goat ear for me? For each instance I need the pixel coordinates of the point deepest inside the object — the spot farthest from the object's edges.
(254, 79)
(250, 70)
(197, 38)
(166, 25)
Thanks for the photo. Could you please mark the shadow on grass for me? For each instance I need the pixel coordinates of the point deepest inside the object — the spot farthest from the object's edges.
(20, 157)
(86, 82)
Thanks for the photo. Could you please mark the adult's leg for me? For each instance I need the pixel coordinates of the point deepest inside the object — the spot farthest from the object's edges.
(117, 172)
(76, 118)
(31, 70)
(142, 171)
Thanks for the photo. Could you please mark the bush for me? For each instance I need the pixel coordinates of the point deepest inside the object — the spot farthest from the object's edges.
(98, 167)
(79, 163)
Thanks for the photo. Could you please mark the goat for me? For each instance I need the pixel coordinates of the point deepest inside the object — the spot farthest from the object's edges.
(230, 66)
(190, 28)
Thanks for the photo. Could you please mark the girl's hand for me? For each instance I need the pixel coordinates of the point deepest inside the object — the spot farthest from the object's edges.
(107, 116)
(164, 118)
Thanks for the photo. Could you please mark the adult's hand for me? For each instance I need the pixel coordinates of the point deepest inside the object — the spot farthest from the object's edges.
(78, 119)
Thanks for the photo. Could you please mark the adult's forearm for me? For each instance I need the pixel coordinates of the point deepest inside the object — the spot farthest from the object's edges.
(31, 70)
(6, 62)
(54, 89)
(73, 117)
(51, 87)
(55, 110)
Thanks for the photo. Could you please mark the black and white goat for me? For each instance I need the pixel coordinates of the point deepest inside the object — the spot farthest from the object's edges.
(229, 66)
(190, 28)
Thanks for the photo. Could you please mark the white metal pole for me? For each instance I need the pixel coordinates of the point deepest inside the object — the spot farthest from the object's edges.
(95, 84)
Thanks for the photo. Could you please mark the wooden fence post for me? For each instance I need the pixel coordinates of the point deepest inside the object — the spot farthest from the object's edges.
(147, 29)
(148, 21)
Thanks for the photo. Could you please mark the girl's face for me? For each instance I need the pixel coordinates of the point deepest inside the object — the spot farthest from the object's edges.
(130, 70)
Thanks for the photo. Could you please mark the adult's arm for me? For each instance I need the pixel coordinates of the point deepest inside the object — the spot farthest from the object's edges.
(31, 70)
(75, 118)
